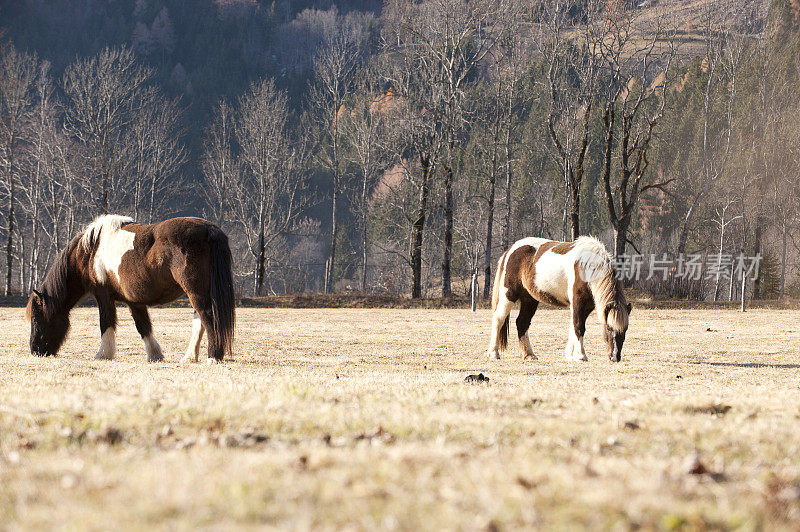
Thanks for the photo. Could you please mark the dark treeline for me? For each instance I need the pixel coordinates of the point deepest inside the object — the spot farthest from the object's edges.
(401, 147)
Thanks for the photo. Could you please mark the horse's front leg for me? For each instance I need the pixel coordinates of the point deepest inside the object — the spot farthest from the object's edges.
(527, 309)
(108, 326)
(141, 317)
(577, 329)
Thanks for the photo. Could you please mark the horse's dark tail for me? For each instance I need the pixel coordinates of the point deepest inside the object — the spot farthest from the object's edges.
(223, 300)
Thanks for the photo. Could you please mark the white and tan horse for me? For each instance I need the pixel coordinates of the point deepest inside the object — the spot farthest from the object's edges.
(576, 274)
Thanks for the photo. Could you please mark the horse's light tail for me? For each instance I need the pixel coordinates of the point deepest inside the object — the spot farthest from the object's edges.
(498, 281)
(223, 300)
(502, 334)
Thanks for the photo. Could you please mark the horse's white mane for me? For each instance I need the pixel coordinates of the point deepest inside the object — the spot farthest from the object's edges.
(592, 257)
(595, 264)
(107, 222)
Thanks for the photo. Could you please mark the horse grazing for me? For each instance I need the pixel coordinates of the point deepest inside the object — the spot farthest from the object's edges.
(115, 259)
(577, 274)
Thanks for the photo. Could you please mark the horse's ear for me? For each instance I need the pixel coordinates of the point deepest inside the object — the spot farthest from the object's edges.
(630, 308)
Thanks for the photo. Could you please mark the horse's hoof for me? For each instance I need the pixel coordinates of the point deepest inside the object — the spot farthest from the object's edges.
(103, 356)
(494, 355)
(188, 359)
(155, 357)
(212, 361)
(530, 356)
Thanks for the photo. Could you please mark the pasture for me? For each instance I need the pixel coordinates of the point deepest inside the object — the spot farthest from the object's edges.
(360, 419)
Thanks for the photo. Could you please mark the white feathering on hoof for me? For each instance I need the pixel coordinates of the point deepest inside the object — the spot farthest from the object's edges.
(593, 260)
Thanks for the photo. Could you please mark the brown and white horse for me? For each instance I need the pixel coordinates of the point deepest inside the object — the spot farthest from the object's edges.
(115, 259)
(577, 274)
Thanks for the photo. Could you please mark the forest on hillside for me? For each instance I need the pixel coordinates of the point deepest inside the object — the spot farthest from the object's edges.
(401, 147)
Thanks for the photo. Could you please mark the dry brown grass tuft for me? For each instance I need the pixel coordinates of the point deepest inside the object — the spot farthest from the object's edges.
(361, 419)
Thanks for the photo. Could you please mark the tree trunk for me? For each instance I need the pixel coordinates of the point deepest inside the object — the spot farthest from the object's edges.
(575, 212)
(783, 260)
(334, 230)
(758, 284)
(104, 194)
(364, 222)
(448, 231)
(417, 231)
(684, 234)
(566, 209)
(10, 226)
(33, 271)
(620, 239)
(719, 256)
(260, 262)
(487, 267)
(507, 221)
(22, 276)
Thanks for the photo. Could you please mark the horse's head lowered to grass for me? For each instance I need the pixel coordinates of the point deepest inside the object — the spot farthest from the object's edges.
(48, 328)
(615, 325)
(49, 305)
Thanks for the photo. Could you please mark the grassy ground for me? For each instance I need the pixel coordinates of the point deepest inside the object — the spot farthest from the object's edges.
(360, 419)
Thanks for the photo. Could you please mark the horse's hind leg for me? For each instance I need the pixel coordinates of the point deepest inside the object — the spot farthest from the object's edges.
(499, 336)
(141, 317)
(202, 309)
(193, 351)
(527, 308)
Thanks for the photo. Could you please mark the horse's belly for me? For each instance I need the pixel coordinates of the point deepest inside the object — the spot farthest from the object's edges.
(155, 295)
(146, 284)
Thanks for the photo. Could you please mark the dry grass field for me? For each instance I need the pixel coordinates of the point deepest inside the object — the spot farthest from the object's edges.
(360, 419)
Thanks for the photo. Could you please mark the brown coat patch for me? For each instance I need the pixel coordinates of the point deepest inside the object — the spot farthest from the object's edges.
(521, 272)
(168, 259)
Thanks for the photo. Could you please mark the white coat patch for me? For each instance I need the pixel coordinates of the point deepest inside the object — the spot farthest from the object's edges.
(551, 275)
(532, 241)
(112, 243)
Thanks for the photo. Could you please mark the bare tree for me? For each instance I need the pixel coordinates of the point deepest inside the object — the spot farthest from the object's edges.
(43, 136)
(637, 76)
(724, 54)
(443, 42)
(101, 93)
(501, 104)
(219, 163)
(18, 72)
(722, 220)
(270, 192)
(775, 91)
(159, 154)
(336, 65)
(363, 129)
(572, 76)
